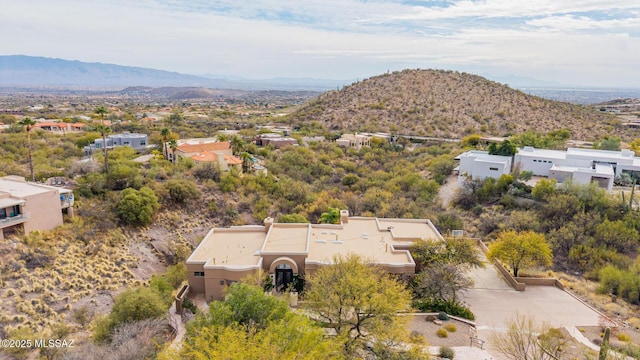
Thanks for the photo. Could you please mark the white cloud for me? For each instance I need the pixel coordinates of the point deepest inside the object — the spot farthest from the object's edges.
(558, 40)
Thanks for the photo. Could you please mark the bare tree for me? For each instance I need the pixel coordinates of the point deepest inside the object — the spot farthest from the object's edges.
(527, 340)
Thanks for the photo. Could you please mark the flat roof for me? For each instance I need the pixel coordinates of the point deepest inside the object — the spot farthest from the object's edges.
(235, 246)
(8, 202)
(483, 155)
(411, 229)
(374, 239)
(18, 187)
(361, 236)
(546, 153)
(287, 238)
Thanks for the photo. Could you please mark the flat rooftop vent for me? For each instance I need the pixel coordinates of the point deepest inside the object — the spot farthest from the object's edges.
(324, 232)
(338, 242)
(321, 241)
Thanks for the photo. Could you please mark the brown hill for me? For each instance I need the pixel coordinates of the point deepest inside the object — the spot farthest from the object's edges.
(448, 104)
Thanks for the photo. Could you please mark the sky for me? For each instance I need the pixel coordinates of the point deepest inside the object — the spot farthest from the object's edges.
(591, 43)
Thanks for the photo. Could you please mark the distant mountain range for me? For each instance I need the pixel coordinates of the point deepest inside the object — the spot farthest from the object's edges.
(20, 71)
(31, 71)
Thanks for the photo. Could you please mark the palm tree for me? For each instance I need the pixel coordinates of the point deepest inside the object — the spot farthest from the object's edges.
(165, 133)
(246, 159)
(29, 123)
(102, 111)
(173, 144)
(237, 145)
(104, 130)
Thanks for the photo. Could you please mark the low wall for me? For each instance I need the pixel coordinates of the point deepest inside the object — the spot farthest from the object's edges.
(180, 296)
(540, 282)
(514, 282)
(519, 286)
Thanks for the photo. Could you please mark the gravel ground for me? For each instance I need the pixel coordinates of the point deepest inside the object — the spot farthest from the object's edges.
(460, 337)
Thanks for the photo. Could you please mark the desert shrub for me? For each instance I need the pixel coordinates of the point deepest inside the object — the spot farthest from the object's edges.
(451, 327)
(623, 337)
(430, 305)
(446, 352)
(181, 191)
(442, 333)
(137, 207)
(130, 306)
(443, 316)
(207, 172)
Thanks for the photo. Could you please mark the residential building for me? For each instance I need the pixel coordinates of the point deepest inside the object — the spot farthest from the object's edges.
(27, 206)
(139, 142)
(479, 165)
(208, 150)
(60, 127)
(275, 140)
(355, 141)
(227, 255)
(582, 166)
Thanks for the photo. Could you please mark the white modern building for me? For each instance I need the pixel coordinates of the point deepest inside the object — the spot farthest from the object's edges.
(582, 166)
(479, 165)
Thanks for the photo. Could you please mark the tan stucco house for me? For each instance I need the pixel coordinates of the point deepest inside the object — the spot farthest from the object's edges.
(27, 206)
(227, 255)
(208, 150)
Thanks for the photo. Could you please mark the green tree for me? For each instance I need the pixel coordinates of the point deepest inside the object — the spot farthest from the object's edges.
(246, 161)
(291, 338)
(358, 300)
(521, 250)
(104, 130)
(29, 124)
(506, 148)
(137, 207)
(102, 111)
(441, 167)
(544, 189)
(612, 143)
(237, 145)
(330, 217)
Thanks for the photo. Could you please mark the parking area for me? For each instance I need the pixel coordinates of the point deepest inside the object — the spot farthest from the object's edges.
(495, 303)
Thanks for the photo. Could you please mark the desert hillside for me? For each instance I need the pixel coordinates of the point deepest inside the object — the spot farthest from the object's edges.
(448, 104)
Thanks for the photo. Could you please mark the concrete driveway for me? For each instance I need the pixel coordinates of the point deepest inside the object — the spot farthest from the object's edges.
(495, 303)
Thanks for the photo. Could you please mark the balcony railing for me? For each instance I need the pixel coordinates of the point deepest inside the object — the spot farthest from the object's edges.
(13, 220)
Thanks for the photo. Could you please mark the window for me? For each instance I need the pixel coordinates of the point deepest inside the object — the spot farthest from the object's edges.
(143, 142)
(493, 169)
(198, 274)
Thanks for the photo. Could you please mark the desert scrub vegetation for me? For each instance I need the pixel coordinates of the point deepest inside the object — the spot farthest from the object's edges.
(42, 286)
(445, 102)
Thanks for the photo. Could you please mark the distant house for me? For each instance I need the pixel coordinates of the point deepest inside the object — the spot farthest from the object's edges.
(139, 142)
(275, 140)
(355, 141)
(206, 151)
(227, 255)
(479, 165)
(60, 127)
(582, 166)
(27, 206)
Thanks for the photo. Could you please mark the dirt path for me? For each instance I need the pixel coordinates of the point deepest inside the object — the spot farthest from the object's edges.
(448, 191)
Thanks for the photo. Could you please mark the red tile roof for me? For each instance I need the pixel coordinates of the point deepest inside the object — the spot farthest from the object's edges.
(197, 148)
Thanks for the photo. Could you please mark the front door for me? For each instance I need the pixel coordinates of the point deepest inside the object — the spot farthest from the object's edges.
(284, 276)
